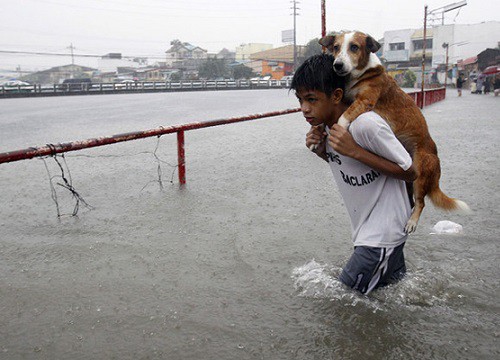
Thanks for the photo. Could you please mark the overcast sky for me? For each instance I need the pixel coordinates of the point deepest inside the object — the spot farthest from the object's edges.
(146, 27)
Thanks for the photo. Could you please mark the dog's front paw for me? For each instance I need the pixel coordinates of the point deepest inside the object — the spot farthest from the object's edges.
(411, 226)
(344, 122)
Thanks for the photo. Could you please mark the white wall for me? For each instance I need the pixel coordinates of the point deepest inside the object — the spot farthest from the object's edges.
(464, 41)
(396, 36)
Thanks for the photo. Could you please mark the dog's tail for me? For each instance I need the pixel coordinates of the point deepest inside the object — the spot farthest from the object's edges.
(444, 202)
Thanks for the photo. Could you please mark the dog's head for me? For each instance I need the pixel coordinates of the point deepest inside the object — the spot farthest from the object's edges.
(352, 50)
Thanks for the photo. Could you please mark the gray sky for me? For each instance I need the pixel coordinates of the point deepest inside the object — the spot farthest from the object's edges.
(146, 27)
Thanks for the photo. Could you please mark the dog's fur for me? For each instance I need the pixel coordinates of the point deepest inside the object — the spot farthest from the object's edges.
(371, 88)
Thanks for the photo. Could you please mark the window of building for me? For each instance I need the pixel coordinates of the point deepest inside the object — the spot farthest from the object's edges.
(397, 46)
(419, 44)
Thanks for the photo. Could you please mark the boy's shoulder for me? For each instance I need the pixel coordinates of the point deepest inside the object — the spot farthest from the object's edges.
(371, 116)
(368, 123)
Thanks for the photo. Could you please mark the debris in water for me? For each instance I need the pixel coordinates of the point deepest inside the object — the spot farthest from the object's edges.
(447, 227)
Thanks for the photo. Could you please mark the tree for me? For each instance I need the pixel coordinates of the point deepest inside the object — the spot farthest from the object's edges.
(243, 72)
(409, 79)
(312, 48)
(213, 69)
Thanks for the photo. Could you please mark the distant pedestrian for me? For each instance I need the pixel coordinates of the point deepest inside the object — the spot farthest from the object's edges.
(496, 85)
(460, 84)
(473, 87)
(487, 86)
(480, 82)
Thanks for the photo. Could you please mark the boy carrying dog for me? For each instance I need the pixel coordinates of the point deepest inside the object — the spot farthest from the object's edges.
(370, 167)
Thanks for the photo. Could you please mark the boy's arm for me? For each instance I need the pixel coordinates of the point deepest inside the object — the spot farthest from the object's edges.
(343, 142)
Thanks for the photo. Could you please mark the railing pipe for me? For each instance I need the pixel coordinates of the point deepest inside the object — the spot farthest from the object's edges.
(53, 149)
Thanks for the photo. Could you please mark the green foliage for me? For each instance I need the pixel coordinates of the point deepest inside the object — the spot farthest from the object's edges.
(243, 72)
(176, 76)
(213, 69)
(312, 48)
(409, 79)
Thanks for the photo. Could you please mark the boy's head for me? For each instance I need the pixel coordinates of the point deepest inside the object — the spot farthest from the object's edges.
(319, 90)
(316, 73)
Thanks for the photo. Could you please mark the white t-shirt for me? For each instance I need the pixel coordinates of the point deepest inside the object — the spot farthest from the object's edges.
(377, 204)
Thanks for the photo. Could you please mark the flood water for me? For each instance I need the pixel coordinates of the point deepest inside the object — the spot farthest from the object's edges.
(240, 263)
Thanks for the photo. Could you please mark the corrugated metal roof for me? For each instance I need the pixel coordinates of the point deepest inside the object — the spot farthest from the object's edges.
(468, 61)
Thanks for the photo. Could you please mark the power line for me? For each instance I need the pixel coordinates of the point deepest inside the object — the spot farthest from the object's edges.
(154, 57)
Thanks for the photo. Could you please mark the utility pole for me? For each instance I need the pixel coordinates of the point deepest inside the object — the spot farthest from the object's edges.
(323, 20)
(423, 58)
(295, 8)
(71, 47)
(446, 46)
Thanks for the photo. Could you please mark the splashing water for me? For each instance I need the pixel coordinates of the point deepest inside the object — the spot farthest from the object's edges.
(320, 281)
(418, 289)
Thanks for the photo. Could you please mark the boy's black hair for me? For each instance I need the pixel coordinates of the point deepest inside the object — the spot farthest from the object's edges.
(316, 73)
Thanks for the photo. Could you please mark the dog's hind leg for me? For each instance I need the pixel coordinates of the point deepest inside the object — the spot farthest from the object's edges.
(429, 172)
(411, 224)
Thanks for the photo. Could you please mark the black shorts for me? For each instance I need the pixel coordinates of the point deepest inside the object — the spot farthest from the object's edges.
(372, 267)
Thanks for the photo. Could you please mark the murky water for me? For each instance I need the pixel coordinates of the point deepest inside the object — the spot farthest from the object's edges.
(241, 262)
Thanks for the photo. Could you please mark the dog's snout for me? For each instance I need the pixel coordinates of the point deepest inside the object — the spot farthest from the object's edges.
(338, 65)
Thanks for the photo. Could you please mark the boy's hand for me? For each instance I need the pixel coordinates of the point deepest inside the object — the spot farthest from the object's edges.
(315, 136)
(342, 141)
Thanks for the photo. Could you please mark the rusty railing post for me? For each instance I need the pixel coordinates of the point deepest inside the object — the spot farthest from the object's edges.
(181, 158)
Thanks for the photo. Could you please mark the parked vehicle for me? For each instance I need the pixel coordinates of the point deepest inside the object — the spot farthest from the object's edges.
(16, 86)
(263, 80)
(75, 84)
(286, 80)
(125, 84)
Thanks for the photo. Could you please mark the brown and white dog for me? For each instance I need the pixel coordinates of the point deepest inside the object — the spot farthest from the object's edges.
(369, 87)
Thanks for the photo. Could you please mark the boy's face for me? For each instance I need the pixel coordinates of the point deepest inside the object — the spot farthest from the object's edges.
(319, 108)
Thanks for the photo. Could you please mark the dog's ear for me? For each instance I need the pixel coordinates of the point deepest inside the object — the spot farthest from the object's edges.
(327, 42)
(372, 45)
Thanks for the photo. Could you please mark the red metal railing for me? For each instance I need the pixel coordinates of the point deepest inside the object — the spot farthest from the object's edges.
(430, 96)
(53, 149)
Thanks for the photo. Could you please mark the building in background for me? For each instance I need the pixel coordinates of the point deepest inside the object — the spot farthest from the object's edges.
(403, 49)
(244, 51)
(227, 55)
(57, 74)
(184, 55)
(276, 62)
(110, 63)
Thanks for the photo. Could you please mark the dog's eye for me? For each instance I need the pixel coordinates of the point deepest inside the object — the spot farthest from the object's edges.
(336, 48)
(354, 48)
